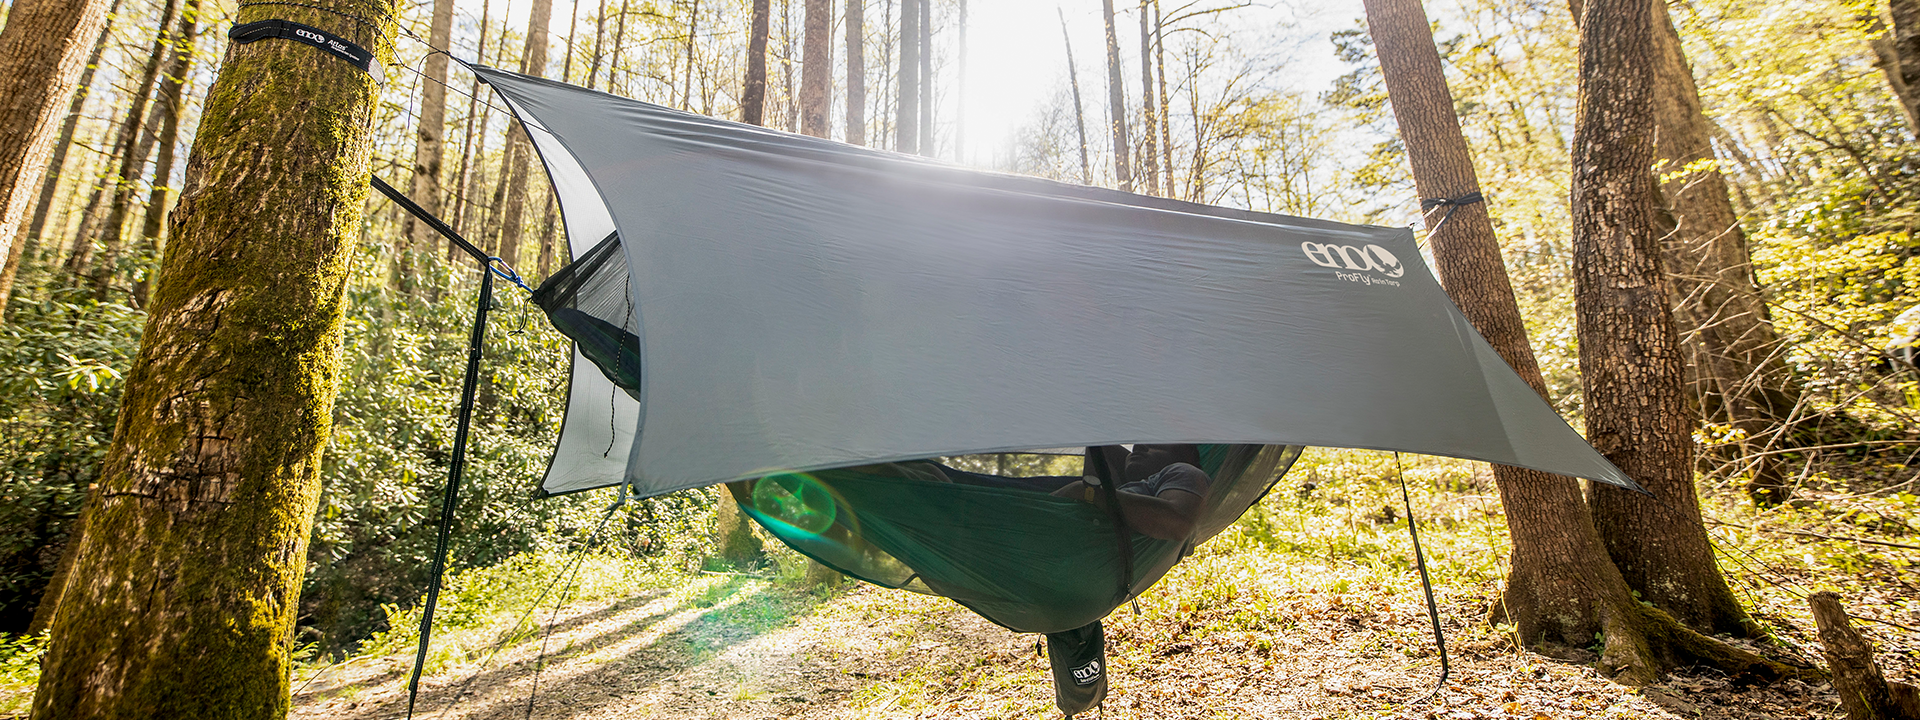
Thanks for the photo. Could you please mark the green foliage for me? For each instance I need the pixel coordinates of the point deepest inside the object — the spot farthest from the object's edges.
(19, 671)
(61, 365)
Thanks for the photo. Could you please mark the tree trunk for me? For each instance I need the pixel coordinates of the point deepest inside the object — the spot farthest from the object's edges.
(753, 93)
(1150, 152)
(1737, 373)
(1079, 114)
(172, 98)
(788, 97)
(816, 72)
(926, 78)
(907, 118)
(1166, 102)
(81, 262)
(693, 31)
(856, 72)
(32, 235)
(474, 144)
(1898, 51)
(533, 61)
(1630, 364)
(430, 138)
(1116, 102)
(1563, 590)
(42, 49)
(206, 498)
(960, 87)
(1864, 692)
(133, 159)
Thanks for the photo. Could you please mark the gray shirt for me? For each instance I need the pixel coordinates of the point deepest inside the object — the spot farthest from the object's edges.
(1178, 476)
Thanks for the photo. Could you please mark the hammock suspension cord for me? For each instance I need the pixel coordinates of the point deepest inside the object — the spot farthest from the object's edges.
(1426, 583)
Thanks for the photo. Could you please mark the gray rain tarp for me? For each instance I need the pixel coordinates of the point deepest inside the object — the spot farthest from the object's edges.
(806, 304)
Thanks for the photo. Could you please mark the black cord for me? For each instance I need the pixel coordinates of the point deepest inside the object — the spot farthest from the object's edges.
(455, 469)
(566, 592)
(1426, 582)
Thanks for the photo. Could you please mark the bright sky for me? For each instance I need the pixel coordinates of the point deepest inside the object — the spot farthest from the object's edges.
(1016, 58)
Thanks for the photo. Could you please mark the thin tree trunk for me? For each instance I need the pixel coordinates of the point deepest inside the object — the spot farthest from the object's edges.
(477, 119)
(790, 100)
(81, 263)
(906, 137)
(1563, 591)
(619, 42)
(533, 61)
(1897, 49)
(926, 79)
(816, 72)
(1865, 693)
(1079, 113)
(134, 157)
(206, 498)
(1166, 103)
(32, 235)
(753, 93)
(599, 31)
(960, 86)
(1117, 102)
(1150, 154)
(1630, 363)
(430, 138)
(693, 31)
(856, 72)
(172, 98)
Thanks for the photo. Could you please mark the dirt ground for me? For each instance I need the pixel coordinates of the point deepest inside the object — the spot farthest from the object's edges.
(753, 649)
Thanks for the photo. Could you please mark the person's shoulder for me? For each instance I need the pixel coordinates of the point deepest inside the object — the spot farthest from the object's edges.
(1183, 476)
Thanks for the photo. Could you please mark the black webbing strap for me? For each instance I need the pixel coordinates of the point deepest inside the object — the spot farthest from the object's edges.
(1097, 462)
(1451, 204)
(1426, 583)
(328, 42)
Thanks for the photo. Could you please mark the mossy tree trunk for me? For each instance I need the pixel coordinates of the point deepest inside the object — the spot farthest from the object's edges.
(1564, 590)
(43, 51)
(182, 594)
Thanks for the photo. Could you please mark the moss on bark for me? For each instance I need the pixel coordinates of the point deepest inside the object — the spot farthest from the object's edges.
(183, 588)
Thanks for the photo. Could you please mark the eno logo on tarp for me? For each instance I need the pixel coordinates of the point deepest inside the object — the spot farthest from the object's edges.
(1359, 259)
(1087, 674)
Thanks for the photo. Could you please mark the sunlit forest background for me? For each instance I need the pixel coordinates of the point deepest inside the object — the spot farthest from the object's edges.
(1277, 108)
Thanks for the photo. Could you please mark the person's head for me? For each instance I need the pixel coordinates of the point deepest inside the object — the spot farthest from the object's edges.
(1147, 459)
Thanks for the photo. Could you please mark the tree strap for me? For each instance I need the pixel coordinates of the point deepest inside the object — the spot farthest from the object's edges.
(328, 42)
(1451, 204)
(1426, 583)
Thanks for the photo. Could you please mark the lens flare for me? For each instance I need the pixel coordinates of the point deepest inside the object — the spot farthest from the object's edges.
(795, 499)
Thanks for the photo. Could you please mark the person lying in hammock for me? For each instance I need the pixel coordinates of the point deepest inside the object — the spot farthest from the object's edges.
(1162, 494)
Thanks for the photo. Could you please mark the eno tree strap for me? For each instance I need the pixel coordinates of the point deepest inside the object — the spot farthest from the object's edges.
(1420, 560)
(1109, 489)
(328, 42)
(1451, 204)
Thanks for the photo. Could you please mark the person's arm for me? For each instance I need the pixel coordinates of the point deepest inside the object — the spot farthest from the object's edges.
(1169, 516)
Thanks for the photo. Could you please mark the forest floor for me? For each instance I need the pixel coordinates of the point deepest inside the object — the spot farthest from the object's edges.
(1309, 608)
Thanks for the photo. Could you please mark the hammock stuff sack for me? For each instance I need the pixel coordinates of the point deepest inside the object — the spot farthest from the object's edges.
(820, 318)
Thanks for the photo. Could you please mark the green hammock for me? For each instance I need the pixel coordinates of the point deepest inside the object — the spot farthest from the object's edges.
(1022, 558)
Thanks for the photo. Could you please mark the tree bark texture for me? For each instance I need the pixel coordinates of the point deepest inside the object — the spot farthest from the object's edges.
(816, 70)
(1736, 373)
(1150, 150)
(1864, 692)
(430, 138)
(1116, 101)
(1166, 101)
(926, 78)
(182, 596)
(856, 72)
(1563, 590)
(906, 136)
(533, 61)
(32, 234)
(43, 49)
(753, 93)
(1630, 364)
